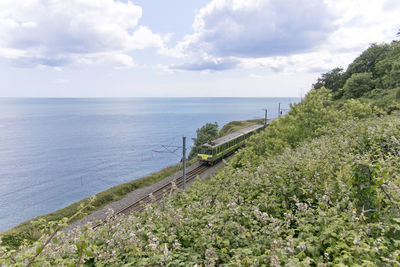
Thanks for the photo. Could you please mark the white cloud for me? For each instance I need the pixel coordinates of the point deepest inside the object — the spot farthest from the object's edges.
(290, 36)
(58, 32)
(314, 62)
(255, 28)
(214, 64)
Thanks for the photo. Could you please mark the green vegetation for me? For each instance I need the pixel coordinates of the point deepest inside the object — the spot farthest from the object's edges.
(319, 187)
(30, 231)
(357, 85)
(235, 126)
(205, 134)
(333, 80)
(372, 76)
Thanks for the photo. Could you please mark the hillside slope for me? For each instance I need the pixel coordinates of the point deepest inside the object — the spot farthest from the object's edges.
(318, 187)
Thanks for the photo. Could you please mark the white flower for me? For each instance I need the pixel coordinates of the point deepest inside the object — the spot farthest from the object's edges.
(302, 246)
(356, 240)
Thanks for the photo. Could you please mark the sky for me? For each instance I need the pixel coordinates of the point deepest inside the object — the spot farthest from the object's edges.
(177, 48)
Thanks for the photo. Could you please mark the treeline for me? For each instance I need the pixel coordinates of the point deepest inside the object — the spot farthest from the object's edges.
(374, 75)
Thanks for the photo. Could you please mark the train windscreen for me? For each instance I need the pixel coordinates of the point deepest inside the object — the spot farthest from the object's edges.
(205, 151)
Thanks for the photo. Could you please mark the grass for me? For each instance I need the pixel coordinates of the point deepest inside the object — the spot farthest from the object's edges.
(27, 231)
(385, 99)
(234, 126)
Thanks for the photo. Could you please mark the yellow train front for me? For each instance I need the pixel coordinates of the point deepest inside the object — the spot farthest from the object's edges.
(215, 150)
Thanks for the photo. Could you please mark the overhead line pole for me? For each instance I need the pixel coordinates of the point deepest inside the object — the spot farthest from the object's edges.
(266, 114)
(184, 162)
(279, 109)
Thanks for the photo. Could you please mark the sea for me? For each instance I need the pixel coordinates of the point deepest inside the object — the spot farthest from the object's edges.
(55, 151)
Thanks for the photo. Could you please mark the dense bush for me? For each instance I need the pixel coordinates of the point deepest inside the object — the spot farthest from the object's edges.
(357, 85)
(316, 115)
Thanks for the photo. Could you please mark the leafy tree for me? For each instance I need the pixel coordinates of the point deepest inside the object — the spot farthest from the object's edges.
(388, 69)
(379, 69)
(357, 85)
(206, 133)
(367, 60)
(333, 80)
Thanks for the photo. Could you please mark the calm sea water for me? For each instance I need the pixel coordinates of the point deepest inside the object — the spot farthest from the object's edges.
(57, 151)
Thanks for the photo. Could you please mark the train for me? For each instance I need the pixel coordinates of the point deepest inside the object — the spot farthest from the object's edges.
(215, 150)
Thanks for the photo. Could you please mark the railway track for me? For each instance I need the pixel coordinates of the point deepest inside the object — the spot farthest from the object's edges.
(159, 193)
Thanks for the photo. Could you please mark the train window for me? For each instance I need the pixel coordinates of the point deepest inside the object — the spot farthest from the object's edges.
(205, 151)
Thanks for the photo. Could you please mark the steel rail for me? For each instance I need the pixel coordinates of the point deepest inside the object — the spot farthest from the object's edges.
(157, 194)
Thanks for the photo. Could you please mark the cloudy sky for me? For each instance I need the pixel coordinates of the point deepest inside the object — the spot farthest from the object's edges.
(136, 48)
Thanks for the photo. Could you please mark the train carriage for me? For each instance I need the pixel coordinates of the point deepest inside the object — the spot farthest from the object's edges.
(216, 149)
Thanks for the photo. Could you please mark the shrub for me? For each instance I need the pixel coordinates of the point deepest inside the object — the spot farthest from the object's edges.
(358, 84)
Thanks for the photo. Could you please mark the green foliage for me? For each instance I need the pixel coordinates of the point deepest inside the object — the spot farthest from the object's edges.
(316, 115)
(388, 68)
(206, 133)
(234, 126)
(357, 85)
(371, 76)
(333, 80)
(365, 184)
(398, 93)
(384, 101)
(367, 60)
